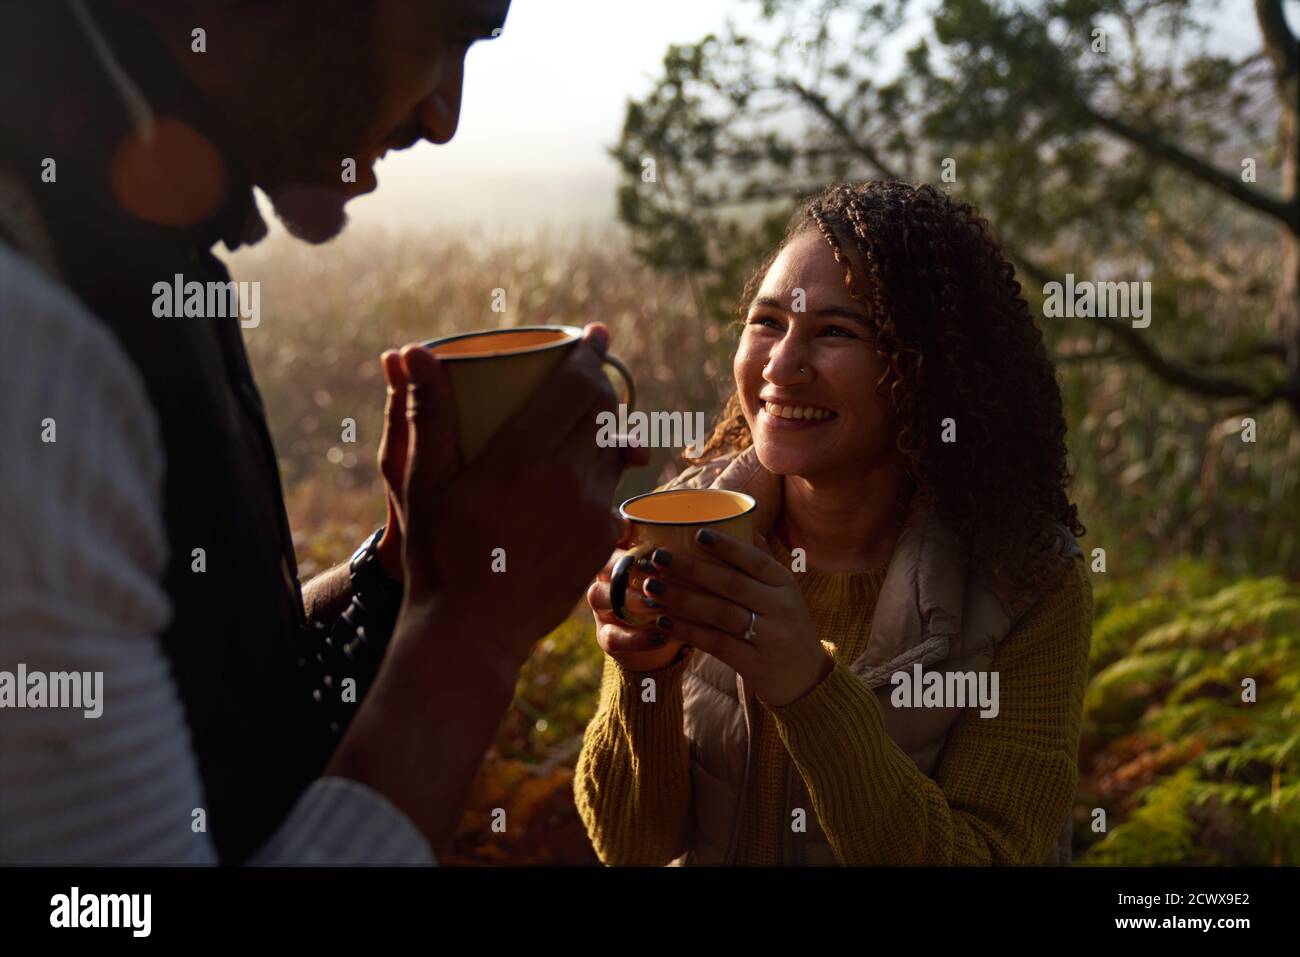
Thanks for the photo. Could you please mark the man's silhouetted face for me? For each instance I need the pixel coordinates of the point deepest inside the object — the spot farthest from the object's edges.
(315, 91)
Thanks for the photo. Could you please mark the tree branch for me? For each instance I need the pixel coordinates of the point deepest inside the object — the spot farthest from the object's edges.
(1156, 145)
(1278, 40)
(1272, 350)
(1280, 45)
(819, 106)
(1072, 357)
(759, 194)
(1172, 373)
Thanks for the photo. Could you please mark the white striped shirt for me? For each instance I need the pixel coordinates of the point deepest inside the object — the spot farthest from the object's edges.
(84, 548)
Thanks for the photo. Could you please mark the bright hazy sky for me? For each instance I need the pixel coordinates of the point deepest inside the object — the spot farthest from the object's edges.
(544, 100)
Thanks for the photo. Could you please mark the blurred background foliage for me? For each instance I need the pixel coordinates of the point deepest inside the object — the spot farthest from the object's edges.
(1191, 764)
(1120, 165)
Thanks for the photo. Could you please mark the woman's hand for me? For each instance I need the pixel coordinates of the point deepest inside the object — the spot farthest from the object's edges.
(636, 649)
(708, 605)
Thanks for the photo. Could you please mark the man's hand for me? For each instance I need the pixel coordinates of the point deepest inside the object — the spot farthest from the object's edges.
(536, 502)
(541, 492)
(392, 462)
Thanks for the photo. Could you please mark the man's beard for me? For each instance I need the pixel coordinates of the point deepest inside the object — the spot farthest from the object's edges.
(327, 90)
(313, 214)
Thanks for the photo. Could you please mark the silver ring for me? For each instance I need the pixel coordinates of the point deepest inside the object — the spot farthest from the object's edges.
(753, 620)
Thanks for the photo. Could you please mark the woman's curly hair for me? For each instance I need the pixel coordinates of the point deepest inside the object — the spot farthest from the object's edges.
(958, 343)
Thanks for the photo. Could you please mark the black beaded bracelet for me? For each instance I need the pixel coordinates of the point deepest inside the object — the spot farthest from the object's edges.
(339, 662)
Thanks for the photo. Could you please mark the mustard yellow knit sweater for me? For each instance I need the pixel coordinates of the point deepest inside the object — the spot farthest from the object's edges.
(1000, 789)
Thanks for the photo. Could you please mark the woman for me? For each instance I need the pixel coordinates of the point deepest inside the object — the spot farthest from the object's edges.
(898, 420)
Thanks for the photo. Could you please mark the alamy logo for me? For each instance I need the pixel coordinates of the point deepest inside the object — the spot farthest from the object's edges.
(1106, 300)
(945, 689)
(652, 430)
(55, 689)
(208, 300)
(103, 910)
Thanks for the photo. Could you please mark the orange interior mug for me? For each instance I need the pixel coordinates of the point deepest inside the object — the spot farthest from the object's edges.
(494, 372)
(670, 519)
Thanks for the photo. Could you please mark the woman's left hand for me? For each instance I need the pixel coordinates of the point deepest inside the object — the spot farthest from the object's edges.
(708, 605)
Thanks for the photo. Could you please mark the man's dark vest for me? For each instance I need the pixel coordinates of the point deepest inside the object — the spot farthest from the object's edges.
(233, 634)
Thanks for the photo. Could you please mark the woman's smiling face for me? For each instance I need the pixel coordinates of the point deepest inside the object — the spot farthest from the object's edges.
(807, 378)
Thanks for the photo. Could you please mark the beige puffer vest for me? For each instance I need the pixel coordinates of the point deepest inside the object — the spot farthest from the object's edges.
(929, 611)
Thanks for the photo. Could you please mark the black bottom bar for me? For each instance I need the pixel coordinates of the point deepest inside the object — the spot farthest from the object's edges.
(566, 906)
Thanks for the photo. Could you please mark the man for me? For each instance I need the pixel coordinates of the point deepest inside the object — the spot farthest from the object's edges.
(146, 537)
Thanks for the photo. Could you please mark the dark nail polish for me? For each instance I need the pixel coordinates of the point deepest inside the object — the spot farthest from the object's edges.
(706, 536)
(665, 623)
(656, 587)
(651, 603)
(644, 565)
(662, 556)
(658, 640)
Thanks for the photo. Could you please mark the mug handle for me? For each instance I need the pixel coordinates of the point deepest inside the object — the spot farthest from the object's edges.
(620, 577)
(629, 384)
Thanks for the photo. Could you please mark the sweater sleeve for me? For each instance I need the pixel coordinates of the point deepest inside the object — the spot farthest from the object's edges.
(632, 784)
(1002, 786)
